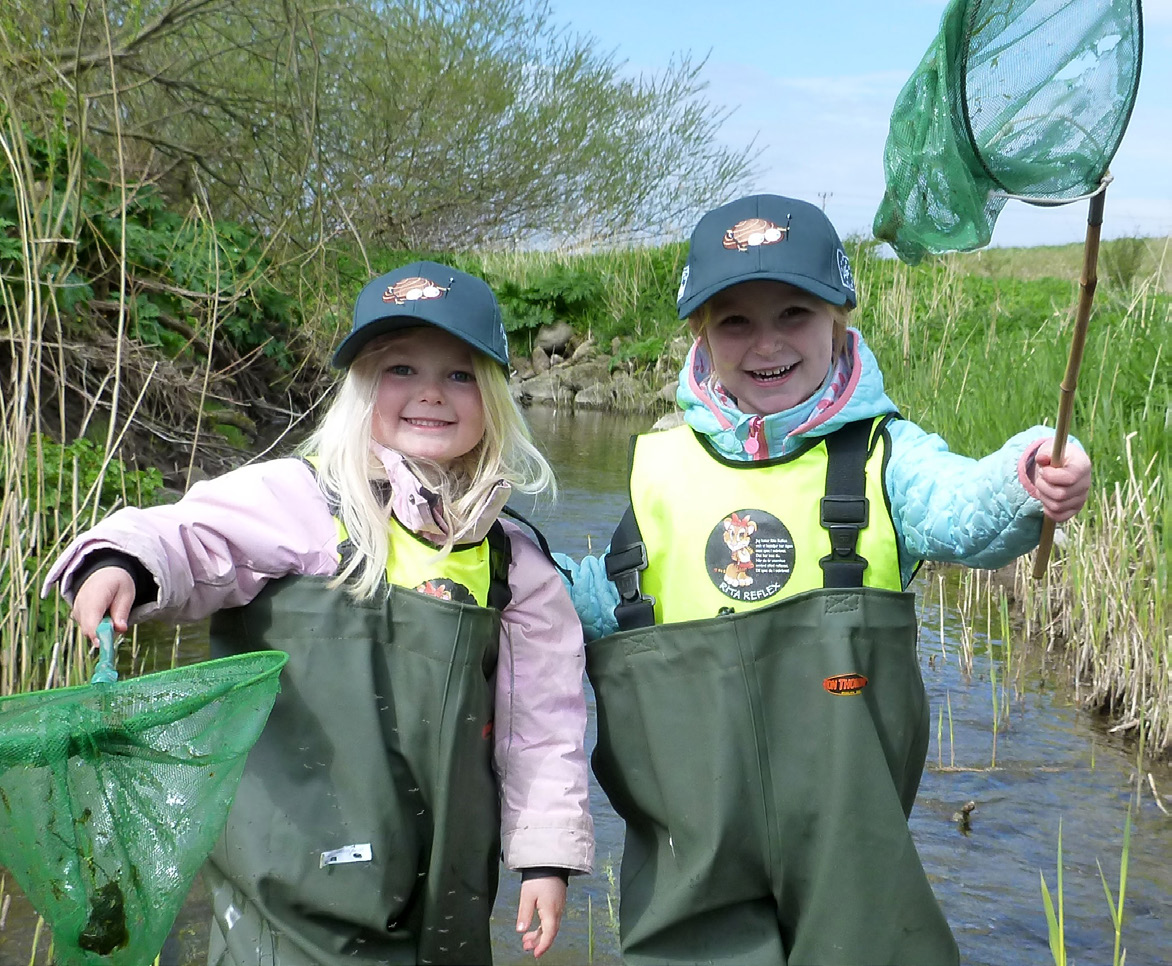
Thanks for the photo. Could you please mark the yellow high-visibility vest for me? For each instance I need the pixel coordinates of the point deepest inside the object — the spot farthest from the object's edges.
(724, 535)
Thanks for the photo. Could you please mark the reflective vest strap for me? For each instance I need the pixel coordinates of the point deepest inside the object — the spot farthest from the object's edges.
(628, 556)
(844, 508)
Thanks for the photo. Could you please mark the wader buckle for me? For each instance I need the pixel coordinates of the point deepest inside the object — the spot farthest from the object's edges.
(622, 567)
(852, 510)
(843, 517)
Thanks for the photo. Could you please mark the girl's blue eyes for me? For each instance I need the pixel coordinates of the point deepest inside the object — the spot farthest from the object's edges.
(458, 375)
(789, 314)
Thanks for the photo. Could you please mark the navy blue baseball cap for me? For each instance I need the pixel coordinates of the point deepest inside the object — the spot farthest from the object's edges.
(766, 237)
(427, 293)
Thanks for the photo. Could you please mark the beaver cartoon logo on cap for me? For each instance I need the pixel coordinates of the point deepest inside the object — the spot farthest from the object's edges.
(751, 232)
(412, 289)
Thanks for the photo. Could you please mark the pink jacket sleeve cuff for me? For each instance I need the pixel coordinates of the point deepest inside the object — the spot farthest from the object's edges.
(1025, 465)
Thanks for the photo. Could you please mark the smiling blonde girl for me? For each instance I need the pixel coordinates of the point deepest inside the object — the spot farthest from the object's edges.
(432, 716)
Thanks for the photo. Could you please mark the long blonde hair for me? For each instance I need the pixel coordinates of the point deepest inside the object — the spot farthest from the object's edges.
(348, 469)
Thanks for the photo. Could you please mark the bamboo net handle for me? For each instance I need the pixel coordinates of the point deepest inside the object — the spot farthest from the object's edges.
(1086, 295)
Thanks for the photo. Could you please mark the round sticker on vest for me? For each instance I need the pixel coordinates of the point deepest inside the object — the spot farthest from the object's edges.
(750, 555)
(446, 589)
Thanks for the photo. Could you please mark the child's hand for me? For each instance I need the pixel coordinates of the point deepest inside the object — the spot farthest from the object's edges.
(1062, 489)
(109, 590)
(547, 896)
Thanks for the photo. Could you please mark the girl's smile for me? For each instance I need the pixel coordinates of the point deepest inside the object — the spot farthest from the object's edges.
(427, 404)
(770, 343)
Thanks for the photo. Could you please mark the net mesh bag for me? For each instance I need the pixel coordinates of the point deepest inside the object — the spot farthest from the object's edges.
(1015, 98)
(113, 794)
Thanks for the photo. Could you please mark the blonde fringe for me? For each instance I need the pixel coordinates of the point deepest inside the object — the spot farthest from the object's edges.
(348, 469)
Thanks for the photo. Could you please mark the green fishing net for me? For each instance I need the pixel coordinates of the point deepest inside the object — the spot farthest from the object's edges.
(1015, 98)
(112, 794)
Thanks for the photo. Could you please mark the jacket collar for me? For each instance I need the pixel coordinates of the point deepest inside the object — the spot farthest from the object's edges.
(853, 390)
(418, 508)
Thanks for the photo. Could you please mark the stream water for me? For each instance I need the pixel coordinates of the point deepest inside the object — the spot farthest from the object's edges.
(1047, 769)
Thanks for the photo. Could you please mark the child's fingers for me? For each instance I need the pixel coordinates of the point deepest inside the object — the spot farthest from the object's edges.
(1061, 501)
(547, 897)
(1075, 462)
(525, 910)
(539, 940)
(120, 608)
(1062, 489)
(106, 591)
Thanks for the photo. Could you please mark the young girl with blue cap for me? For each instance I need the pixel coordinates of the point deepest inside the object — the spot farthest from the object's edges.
(762, 723)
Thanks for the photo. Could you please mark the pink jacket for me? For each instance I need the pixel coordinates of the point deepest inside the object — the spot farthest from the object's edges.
(220, 544)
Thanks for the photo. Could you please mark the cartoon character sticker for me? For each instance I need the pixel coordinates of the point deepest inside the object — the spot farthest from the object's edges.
(751, 232)
(749, 555)
(446, 589)
(412, 290)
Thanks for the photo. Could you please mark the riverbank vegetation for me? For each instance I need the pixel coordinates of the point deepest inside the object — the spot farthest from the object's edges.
(182, 228)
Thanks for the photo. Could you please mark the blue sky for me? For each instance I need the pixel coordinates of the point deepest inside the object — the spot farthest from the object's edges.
(813, 83)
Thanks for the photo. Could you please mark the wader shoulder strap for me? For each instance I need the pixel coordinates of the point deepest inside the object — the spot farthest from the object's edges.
(541, 541)
(844, 509)
(628, 556)
(345, 547)
(500, 556)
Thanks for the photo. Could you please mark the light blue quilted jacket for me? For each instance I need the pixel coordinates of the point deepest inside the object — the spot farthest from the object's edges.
(946, 507)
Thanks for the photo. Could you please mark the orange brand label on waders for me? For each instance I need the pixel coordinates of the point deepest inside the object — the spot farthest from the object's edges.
(845, 683)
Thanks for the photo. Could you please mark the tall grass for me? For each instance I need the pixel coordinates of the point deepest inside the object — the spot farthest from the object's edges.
(30, 522)
(68, 397)
(977, 359)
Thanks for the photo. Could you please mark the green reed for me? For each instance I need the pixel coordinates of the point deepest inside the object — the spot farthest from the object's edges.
(61, 429)
(1055, 910)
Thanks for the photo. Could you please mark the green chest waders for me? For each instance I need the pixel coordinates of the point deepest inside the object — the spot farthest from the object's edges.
(765, 764)
(766, 761)
(366, 828)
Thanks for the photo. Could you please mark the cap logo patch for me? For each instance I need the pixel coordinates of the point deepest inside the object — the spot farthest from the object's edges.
(751, 232)
(844, 270)
(412, 290)
(683, 282)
